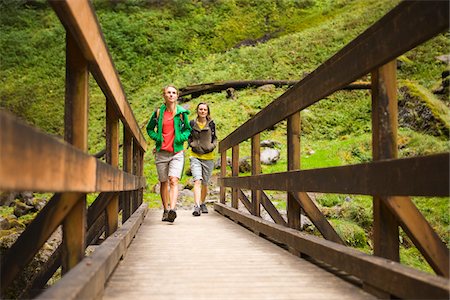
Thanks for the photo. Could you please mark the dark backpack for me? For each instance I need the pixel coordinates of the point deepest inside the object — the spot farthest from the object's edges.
(211, 125)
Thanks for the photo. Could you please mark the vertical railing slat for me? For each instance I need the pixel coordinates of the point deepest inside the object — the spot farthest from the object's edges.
(112, 158)
(293, 156)
(235, 172)
(75, 132)
(256, 169)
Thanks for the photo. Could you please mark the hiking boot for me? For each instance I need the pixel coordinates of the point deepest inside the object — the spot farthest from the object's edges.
(196, 211)
(165, 217)
(171, 216)
(204, 208)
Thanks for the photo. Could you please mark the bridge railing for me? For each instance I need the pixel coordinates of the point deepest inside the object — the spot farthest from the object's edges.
(388, 179)
(34, 161)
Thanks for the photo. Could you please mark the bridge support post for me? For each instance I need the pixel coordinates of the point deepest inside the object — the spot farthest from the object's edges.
(112, 158)
(256, 169)
(223, 174)
(75, 133)
(384, 146)
(293, 157)
(235, 172)
(125, 197)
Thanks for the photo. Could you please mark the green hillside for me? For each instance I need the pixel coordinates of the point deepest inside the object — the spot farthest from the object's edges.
(154, 43)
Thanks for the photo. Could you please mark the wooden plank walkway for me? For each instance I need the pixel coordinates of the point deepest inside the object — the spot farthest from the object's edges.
(211, 257)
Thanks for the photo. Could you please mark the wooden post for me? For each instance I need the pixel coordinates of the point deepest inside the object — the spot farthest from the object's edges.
(75, 132)
(235, 172)
(223, 174)
(293, 155)
(384, 140)
(112, 158)
(141, 173)
(135, 200)
(256, 169)
(127, 167)
(384, 146)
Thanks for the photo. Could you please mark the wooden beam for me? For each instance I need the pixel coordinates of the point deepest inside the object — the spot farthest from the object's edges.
(76, 133)
(127, 167)
(272, 210)
(256, 169)
(245, 200)
(25, 148)
(223, 174)
(78, 17)
(112, 158)
(384, 146)
(406, 26)
(316, 217)
(417, 176)
(234, 173)
(392, 277)
(293, 163)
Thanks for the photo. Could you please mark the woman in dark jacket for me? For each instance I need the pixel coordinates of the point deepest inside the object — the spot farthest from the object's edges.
(203, 141)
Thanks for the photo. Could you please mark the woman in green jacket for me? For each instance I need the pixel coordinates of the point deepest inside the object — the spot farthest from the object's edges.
(169, 128)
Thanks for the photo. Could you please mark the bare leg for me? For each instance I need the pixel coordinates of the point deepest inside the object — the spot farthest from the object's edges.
(197, 192)
(173, 193)
(204, 193)
(164, 191)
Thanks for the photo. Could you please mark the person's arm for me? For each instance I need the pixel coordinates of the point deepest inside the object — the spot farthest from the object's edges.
(186, 130)
(151, 126)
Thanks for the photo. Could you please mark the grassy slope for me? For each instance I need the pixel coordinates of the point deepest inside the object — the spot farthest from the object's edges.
(153, 46)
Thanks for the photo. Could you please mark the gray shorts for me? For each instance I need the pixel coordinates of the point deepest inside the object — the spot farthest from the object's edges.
(169, 164)
(202, 169)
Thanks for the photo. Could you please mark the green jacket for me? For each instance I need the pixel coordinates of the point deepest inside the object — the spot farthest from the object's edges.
(182, 128)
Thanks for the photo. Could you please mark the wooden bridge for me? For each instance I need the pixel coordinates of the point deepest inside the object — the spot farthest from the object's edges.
(226, 254)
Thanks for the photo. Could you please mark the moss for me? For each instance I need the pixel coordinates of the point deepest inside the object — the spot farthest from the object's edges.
(420, 110)
(352, 234)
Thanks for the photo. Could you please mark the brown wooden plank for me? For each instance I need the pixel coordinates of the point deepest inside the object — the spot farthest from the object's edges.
(316, 216)
(421, 233)
(127, 167)
(256, 169)
(293, 163)
(384, 146)
(223, 173)
(245, 200)
(235, 173)
(35, 235)
(417, 176)
(78, 17)
(392, 277)
(112, 158)
(406, 26)
(272, 210)
(76, 133)
(25, 148)
(87, 279)
(74, 236)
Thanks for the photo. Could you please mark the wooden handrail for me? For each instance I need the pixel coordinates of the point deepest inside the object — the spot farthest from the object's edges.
(406, 26)
(78, 17)
(52, 165)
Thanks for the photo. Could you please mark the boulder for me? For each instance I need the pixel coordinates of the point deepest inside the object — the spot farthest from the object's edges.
(270, 156)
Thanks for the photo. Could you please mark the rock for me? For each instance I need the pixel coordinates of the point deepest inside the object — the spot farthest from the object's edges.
(189, 184)
(21, 208)
(217, 163)
(4, 224)
(269, 143)
(270, 156)
(444, 58)
(231, 93)
(7, 198)
(244, 165)
(270, 88)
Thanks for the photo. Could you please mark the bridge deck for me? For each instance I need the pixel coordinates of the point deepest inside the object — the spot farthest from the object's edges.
(211, 257)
